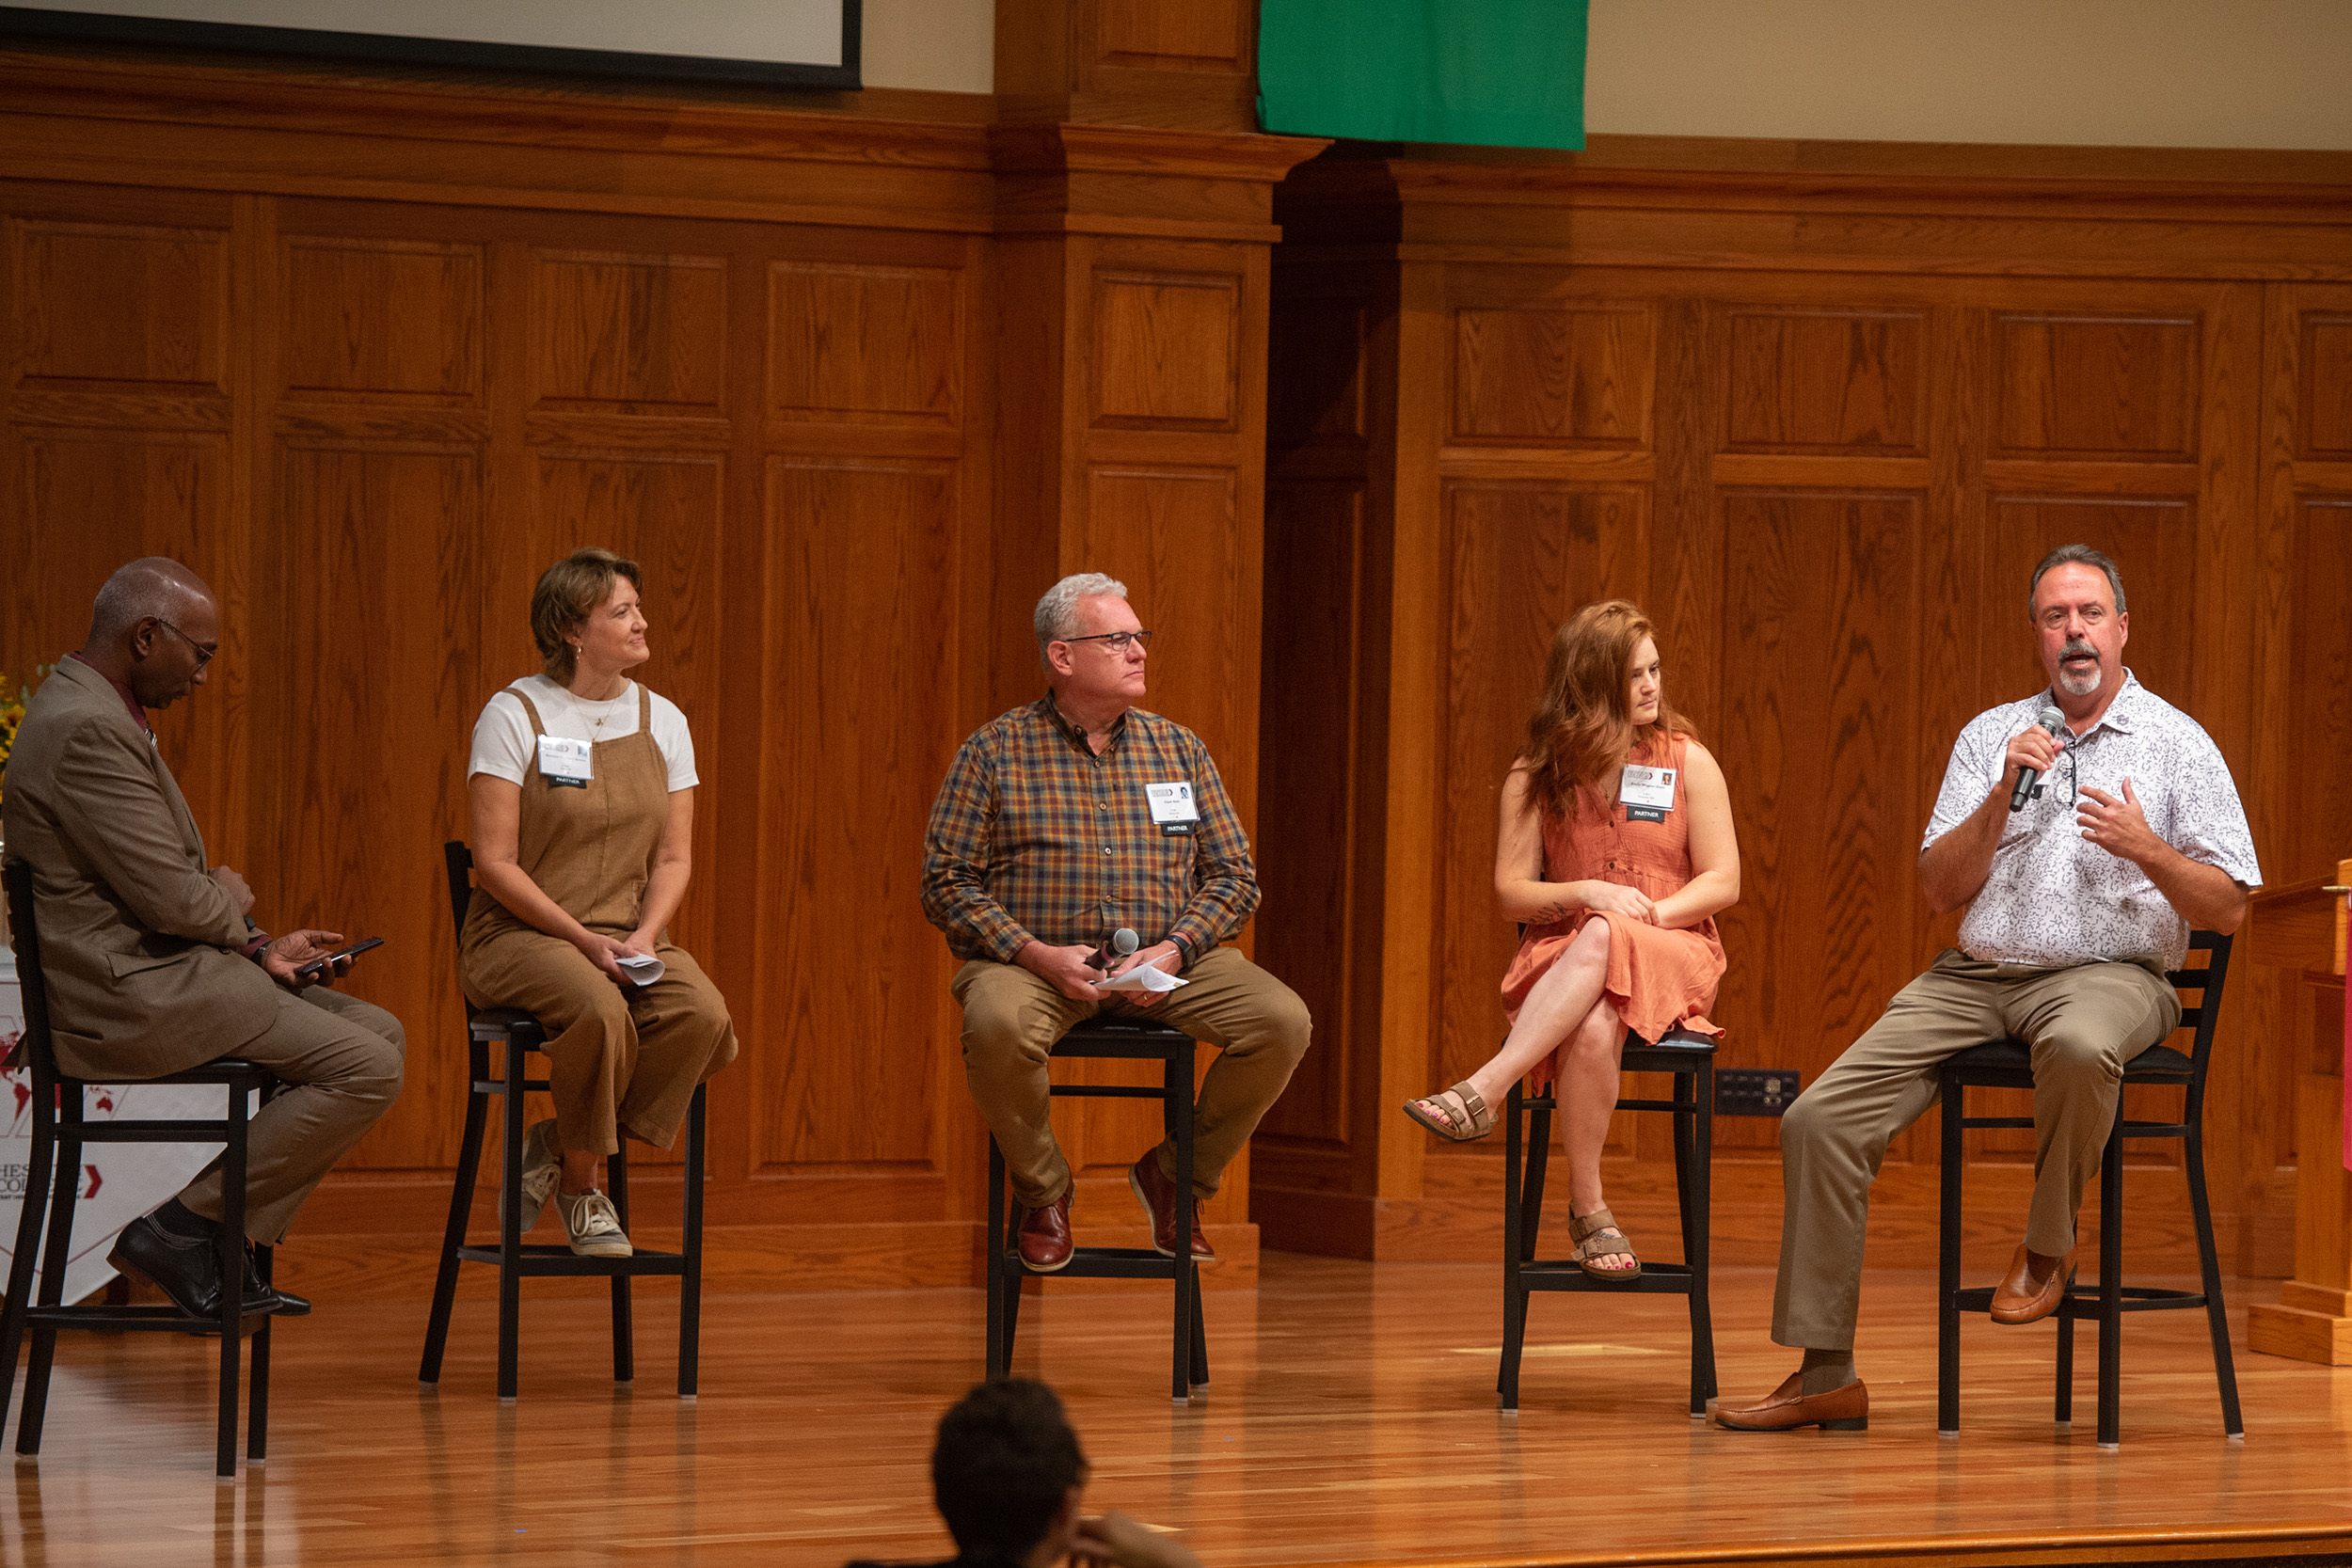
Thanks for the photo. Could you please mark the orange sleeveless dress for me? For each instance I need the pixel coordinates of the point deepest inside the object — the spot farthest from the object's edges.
(1657, 978)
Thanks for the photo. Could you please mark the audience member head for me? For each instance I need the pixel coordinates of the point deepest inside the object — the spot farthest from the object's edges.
(1081, 622)
(1007, 1474)
(154, 627)
(2077, 601)
(1603, 694)
(586, 604)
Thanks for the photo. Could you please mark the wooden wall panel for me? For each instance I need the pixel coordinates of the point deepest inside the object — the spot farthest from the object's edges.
(2324, 403)
(389, 665)
(110, 303)
(860, 592)
(1817, 743)
(866, 344)
(2095, 386)
(633, 333)
(1570, 377)
(1166, 350)
(2319, 793)
(1315, 549)
(382, 321)
(1825, 381)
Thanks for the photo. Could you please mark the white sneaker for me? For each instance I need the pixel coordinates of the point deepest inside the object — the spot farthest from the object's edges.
(542, 1165)
(592, 1225)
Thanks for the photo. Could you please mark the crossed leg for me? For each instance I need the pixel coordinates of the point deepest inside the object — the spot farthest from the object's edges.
(1564, 1005)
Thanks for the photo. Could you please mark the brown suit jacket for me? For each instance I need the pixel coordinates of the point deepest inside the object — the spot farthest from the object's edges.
(139, 945)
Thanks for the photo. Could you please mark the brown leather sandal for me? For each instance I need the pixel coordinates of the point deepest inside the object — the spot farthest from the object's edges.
(1596, 1235)
(1458, 1115)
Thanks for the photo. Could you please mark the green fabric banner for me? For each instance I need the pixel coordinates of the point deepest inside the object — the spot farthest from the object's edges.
(1492, 72)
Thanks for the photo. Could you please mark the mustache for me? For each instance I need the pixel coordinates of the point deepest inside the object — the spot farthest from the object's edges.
(2077, 648)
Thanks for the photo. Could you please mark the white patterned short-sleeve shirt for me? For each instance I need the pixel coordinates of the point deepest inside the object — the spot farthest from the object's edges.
(2052, 896)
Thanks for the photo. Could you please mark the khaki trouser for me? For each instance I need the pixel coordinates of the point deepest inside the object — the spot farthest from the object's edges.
(1011, 1019)
(618, 1056)
(2083, 1024)
(343, 1058)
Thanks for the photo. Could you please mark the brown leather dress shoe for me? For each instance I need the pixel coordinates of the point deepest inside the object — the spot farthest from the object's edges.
(1043, 1239)
(2033, 1286)
(1846, 1409)
(1157, 1195)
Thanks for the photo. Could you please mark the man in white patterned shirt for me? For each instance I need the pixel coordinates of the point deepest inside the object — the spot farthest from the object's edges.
(2069, 928)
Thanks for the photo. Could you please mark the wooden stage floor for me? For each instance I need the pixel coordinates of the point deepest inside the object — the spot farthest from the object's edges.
(1351, 1419)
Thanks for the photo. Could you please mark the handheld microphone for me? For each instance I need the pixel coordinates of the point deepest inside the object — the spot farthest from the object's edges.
(1122, 943)
(2028, 779)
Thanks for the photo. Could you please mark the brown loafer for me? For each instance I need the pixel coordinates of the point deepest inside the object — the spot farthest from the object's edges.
(1157, 1195)
(1043, 1240)
(2033, 1286)
(1846, 1409)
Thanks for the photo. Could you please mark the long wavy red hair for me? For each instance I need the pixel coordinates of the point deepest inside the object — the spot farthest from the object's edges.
(1582, 728)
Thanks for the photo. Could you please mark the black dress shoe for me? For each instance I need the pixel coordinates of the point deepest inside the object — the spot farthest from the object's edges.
(288, 1305)
(186, 1270)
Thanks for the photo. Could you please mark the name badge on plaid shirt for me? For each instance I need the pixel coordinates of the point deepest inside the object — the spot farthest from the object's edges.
(1172, 807)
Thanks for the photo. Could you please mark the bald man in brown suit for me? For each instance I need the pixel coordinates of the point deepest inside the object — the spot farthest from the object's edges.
(150, 962)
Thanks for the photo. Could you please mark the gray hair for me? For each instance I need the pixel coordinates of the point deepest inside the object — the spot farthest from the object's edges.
(153, 585)
(2077, 555)
(1057, 610)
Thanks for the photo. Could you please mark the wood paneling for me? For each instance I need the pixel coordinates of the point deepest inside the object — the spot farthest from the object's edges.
(2318, 793)
(2324, 412)
(1565, 377)
(102, 303)
(382, 321)
(641, 334)
(1201, 33)
(1819, 381)
(862, 563)
(866, 344)
(2090, 386)
(1166, 350)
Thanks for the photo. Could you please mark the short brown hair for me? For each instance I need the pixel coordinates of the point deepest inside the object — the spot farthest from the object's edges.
(568, 592)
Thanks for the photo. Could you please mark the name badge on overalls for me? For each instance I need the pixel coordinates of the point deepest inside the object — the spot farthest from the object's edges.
(1172, 807)
(1647, 794)
(565, 763)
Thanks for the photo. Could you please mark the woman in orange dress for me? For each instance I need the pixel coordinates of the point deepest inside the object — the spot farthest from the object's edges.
(1616, 852)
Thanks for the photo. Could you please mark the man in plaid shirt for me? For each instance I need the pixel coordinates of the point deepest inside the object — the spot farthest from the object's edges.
(1059, 823)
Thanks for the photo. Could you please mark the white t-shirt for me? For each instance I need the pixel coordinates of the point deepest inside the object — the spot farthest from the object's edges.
(504, 745)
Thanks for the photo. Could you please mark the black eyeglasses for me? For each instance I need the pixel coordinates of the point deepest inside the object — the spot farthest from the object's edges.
(1115, 640)
(203, 655)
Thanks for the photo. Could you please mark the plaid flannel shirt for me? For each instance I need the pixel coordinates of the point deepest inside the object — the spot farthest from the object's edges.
(1035, 837)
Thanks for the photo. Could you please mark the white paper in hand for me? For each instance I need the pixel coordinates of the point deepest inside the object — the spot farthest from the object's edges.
(643, 969)
(1144, 977)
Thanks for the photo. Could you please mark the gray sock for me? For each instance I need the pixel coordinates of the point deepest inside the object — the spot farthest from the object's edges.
(1826, 1369)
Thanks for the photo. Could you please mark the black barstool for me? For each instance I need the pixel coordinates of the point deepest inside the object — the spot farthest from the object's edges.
(2009, 1064)
(516, 1033)
(1127, 1038)
(1690, 1057)
(53, 1180)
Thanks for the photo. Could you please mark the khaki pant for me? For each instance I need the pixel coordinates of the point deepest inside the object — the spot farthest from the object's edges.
(343, 1059)
(618, 1056)
(1011, 1019)
(2083, 1024)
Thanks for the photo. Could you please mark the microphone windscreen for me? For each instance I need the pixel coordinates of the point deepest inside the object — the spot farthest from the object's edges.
(2050, 718)
(1125, 941)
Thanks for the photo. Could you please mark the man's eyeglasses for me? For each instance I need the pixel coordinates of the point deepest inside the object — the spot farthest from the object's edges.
(203, 655)
(1115, 641)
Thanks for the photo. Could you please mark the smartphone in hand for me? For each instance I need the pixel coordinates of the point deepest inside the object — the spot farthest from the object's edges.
(318, 967)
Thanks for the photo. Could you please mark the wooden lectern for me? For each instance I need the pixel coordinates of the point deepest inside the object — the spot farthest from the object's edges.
(2301, 929)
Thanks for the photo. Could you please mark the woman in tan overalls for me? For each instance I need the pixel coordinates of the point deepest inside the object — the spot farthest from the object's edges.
(580, 792)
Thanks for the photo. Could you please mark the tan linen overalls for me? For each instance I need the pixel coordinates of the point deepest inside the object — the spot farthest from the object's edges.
(622, 1055)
